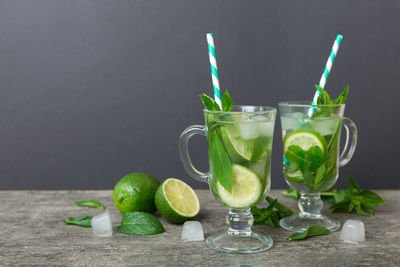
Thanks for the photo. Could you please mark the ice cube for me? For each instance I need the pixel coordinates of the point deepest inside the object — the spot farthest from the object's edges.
(101, 224)
(266, 128)
(353, 231)
(325, 125)
(248, 129)
(292, 121)
(192, 231)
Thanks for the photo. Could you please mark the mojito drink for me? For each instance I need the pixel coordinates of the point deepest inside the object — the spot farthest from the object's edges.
(240, 157)
(311, 159)
(239, 148)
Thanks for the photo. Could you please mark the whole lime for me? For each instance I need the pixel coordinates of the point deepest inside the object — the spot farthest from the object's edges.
(135, 192)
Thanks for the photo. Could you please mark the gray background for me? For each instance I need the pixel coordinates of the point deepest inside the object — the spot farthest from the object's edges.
(92, 90)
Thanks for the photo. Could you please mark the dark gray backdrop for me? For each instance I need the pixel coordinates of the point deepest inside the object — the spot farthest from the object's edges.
(92, 90)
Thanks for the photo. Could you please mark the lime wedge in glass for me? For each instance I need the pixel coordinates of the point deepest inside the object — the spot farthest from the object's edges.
(304, 139)
(239, 149)
(246, 188)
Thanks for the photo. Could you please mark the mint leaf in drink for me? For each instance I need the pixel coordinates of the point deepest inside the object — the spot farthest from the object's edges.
(311, 231)
(91, 203)
(323, 96)
(140, 223)
(221, 164)
(362, 201)
(343, 96)
(310, 159)
(272, 214)
(85, 221)
(227, 103)
(325, 99)
(209, 103)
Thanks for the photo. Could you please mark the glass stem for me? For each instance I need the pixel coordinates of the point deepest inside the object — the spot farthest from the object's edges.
(310, 205)
(240, 222)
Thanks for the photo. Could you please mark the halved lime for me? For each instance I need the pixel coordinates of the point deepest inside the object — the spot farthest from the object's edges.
(239, 149)
(246, 188)
(304, 139)
(176, 201)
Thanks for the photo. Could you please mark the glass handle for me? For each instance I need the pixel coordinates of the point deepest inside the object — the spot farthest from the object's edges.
(351, 141)
(184, 152)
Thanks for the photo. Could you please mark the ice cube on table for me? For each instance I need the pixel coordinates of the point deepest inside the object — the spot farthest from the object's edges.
(101, 224)
(248, 129)
(192, 231)
(353, 231)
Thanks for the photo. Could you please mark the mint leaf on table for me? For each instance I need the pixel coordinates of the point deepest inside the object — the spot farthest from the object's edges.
(140, 223)
(221, 164)
(92, 203)
(311, 231)
(362, 201)
(272, 214)
(227, 103)
(209, 103)
(85, 221)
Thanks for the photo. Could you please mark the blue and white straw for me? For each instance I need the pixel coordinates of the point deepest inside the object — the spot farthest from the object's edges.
(214, 69)
(328, 66)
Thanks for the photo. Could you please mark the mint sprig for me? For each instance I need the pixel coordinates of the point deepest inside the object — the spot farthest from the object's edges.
(324, 98)
(311, 231)
(362, 201)
(210, 104)
(272, 214)
(348, 200)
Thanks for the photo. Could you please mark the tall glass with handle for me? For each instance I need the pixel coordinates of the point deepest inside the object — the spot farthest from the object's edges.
(239, 149)
(311, 159)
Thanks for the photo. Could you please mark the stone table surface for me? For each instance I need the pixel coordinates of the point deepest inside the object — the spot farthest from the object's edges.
(32, 232)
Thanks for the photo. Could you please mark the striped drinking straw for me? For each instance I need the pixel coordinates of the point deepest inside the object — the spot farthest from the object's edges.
(214, 69)
(328, 66)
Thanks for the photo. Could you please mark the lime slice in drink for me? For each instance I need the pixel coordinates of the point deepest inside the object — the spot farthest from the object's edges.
(294, 177)
(239, 149)
(246, 188)
(304, 139)
(176, 201)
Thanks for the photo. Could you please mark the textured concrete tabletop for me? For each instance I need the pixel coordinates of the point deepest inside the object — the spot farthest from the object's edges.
(32, 233)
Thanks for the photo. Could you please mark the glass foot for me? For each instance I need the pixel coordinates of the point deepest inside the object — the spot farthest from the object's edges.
(249, 243)
(296, 223)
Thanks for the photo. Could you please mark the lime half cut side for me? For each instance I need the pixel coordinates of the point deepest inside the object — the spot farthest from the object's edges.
(176, 201)
(246, 188)
(305, 139)
(239, 149)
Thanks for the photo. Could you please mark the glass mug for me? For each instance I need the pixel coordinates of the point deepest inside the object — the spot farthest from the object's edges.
(239, 149)
(311, 159)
